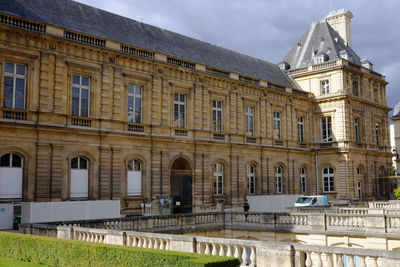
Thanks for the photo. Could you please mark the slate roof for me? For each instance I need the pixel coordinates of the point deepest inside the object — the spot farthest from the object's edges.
(89, 20)
(300, 55)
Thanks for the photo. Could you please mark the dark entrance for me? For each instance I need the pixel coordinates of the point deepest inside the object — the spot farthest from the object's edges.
(181, 186)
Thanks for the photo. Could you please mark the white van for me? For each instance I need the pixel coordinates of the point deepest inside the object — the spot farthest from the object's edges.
(309, 201)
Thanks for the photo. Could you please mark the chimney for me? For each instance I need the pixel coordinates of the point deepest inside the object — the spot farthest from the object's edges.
(340, 22)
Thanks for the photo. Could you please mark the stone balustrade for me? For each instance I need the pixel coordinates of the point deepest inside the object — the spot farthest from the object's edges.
(249, 252)
(393, 204)
(375, 221)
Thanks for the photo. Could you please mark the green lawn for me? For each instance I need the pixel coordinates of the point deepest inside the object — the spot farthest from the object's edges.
(6, 262)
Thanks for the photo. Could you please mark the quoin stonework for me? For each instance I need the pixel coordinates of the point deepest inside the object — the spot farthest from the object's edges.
(97, 106)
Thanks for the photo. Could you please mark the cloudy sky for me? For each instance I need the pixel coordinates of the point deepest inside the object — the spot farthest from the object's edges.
(268, 28)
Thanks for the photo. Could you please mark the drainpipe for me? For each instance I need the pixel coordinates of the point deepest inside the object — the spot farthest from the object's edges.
(316, 171)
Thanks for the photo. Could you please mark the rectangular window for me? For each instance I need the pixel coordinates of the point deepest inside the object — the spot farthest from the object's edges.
(249, 120)
(302, 180)
(80, 95)
(356, 130)
(180, 111)
(217, 116)
(375, 95)
(328, 179)
(300, 128)
(277, 125)
(324, 87)
(377, 134)
(218, 179)
(355, 88)
(14, 86)
(134, 103)
(326, 128)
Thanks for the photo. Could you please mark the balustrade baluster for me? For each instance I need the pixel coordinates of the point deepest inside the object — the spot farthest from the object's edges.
(207, 250)
(140, 244)
(221, 250)
(162, 244)
(328, 260)
(339, 260)
(167, 245)
(362, 261)
(350, 261)
(317, 257)
(245, 256)
(229, 251)
(236, 254)
(214, 249)
(253, 256)
(144, 242)
(309, 262)
(371, 261)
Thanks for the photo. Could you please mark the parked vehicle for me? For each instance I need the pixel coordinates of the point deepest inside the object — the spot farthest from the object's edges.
(308, 201)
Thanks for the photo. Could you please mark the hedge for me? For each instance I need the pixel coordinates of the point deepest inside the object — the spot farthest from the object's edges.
(62, 252)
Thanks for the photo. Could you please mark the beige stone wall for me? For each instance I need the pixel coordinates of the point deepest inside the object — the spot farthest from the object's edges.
(48, 139)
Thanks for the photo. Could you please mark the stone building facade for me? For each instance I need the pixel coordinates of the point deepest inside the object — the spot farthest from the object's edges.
(87, 113)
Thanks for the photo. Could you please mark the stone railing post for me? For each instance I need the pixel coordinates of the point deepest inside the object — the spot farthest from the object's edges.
(317, 221)
(65, 232)
(375, 223)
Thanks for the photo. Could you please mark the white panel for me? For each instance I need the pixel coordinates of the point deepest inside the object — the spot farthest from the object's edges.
(79, 183)
(38, 212)
(10, 182)
(134, 183)
(6, 216)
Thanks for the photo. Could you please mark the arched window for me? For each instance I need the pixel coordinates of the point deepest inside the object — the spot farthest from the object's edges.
(303, 180)
(278, 179)
(251, 179)
(79, 177)
(134, 178)
(11, 172)
(328, 179)
(219, 179)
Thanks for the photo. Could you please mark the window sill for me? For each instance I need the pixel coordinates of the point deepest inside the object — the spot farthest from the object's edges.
(134, 197)
(329, 192)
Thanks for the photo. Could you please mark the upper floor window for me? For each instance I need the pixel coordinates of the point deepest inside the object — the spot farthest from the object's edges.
(377, 134)
(357, 130)
(324, 87)
(326, 128)
(375, 95)
(328, 179)
(278, 179)
(14, 85)
(80, 95)
(219, 179)
(251, 179)
(134, 103)
(277, 125)
(249, 120)
(355, 88)
(180, 110)
(217, 116)
(300, 128)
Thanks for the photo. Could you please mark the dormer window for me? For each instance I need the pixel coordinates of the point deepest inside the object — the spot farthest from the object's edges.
(319, 59)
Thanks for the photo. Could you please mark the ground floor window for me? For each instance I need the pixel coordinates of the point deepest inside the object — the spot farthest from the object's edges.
(251, 179)
(11, 172)
(79, 178)
(278, 177)
(302, 180)
(219, 179)
(328, 179)
(134, 178)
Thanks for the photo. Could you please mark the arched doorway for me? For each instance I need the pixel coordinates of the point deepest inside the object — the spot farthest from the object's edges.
(181, 186)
